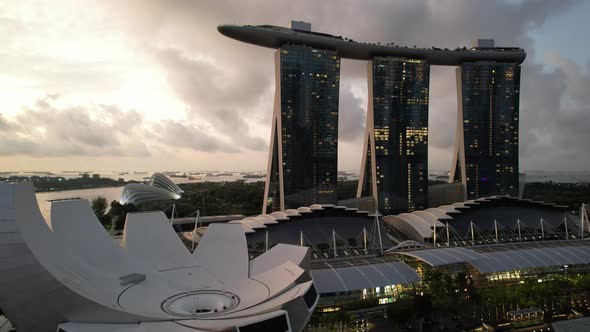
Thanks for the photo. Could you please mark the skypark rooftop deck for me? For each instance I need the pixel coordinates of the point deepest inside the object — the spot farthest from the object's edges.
(275, 36)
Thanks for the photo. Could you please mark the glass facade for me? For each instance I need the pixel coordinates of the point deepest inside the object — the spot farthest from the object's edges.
(490, 107)
(400, 129)
(307, 128)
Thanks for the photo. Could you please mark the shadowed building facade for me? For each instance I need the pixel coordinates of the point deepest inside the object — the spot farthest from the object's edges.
(302, 168)
(394, 170)
(486, 149)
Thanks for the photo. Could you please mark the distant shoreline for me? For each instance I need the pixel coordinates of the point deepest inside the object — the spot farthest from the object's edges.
(74, 189)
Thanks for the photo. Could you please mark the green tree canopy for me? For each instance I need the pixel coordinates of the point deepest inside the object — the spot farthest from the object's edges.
(99, 205)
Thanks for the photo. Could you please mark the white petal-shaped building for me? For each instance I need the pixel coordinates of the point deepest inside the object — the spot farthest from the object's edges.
(160, 188)
(70, 275)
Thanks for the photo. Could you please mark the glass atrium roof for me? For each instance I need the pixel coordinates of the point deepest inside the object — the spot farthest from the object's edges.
(358, 277)
(501, 258)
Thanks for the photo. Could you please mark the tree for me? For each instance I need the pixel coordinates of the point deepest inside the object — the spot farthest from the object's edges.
(260, 245)
(439, 287)
(99, 205)
(118, 213)
(401, 311)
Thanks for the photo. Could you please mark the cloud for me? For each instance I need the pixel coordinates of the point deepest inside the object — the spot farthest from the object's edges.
(555, 110)
(421, 23)
(216, 96)
(227, 86)
(442, 108)
(352, 118)
(4, 125)
(175, 134)
(49, 129)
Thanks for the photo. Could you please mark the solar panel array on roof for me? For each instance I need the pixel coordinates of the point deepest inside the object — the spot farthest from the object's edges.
(357, 277)
(505, 260)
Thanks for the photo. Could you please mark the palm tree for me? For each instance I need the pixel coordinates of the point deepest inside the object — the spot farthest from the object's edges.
(99, 206)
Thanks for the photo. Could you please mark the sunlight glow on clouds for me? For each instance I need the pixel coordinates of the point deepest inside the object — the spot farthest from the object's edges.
(151, 84)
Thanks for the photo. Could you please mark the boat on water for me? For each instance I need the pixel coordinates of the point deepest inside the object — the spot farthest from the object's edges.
(225, 174)
(253, 176)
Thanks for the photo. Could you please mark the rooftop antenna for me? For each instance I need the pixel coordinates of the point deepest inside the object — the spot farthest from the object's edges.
(379, 231)
(195, 230)
(582, 221)
(448, 237)
(434, 229)
(585, 218)
(334, 242)
(496, 229)
(365, 240)
(172, 215)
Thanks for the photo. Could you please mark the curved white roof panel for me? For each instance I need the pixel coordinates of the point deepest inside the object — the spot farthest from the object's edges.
(254, 222)
(449, 208)
(279, 216)
(429, 218)
(267, 219)
(407, 227)
(96, 285)
(296, 254)
(246, 227)
(292, 213)
(316, 207)
(439, 213)
(460, 205)
(418, 223)
(304, 209)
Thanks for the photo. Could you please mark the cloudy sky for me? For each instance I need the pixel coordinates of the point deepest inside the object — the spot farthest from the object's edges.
(151, 85)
